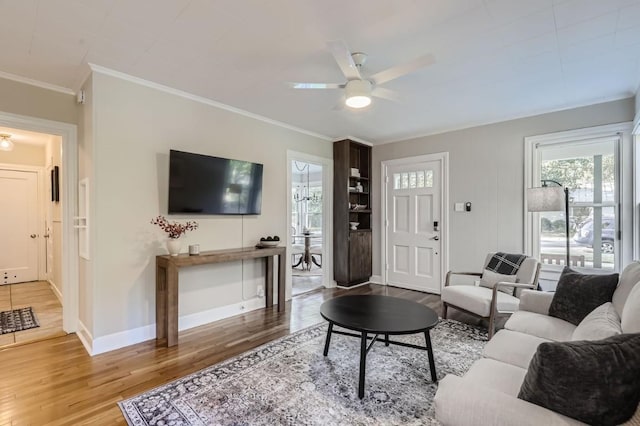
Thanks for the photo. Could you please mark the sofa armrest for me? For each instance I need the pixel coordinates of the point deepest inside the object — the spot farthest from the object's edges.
(536, 301)
(461, 402)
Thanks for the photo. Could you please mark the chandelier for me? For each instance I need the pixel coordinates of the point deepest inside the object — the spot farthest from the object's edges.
(303, 193)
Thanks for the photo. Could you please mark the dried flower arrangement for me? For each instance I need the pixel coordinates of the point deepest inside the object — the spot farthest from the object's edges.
(174, 229)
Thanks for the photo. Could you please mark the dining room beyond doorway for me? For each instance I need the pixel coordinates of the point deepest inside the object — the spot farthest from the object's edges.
(306, 226)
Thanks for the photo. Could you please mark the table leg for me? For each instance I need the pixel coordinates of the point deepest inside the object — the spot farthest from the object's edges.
(281, 285)
(386, 340)
(172, 305)
(161, 302)
(268, 281)
(328, 339)
(363, 364)
(432, 362)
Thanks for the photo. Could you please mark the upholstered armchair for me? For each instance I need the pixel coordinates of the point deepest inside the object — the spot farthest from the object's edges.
(493, 295)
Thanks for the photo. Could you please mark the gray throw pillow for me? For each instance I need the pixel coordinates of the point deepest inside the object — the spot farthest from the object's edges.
(578, 294)
(595, 382)
(490, 278)
(601, 323)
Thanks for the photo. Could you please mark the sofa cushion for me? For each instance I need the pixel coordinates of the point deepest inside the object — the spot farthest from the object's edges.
(496, 375)
(578, 294)
(512, 347)
(541, 326)
(601, 323)
(478, 299)
(490, 278)
(631, 312)
(628, 279)
(592, 381)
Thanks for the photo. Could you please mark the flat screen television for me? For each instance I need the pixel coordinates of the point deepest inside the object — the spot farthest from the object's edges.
(201, 184)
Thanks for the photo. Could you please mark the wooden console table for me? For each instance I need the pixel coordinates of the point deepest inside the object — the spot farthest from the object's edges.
(167, 282)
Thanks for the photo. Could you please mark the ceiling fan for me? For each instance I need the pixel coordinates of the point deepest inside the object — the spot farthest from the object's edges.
(358, 89)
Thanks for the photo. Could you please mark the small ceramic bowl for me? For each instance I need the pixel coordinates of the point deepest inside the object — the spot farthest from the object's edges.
(354, 225)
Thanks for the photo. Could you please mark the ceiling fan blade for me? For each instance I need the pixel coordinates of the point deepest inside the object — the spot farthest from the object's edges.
(343, 57)
(390, 95)
(316, 85)
(403, 69)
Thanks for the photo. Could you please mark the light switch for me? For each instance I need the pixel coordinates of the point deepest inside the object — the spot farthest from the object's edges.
(459, 207)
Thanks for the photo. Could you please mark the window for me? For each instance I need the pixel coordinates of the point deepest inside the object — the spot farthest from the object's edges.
(589, 163)
(411, 180)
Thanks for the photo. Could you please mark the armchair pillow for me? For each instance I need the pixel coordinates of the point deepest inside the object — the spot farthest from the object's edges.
(601, 323)
(490, 278)
(595, 382)
(578, 294)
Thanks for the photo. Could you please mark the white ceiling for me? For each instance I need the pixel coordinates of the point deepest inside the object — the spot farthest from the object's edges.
(26, 137)
(496, 59)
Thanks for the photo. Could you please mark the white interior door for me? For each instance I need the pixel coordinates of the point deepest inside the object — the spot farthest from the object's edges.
(413, 205)
(18, 227)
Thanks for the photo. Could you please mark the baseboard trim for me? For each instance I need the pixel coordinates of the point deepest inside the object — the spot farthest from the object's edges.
(130, 337)
(56, 291)
(85, 337)
(376, 279)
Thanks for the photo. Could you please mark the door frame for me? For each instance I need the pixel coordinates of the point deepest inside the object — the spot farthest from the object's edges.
(68, 133)
(327, 215)
(443, 158)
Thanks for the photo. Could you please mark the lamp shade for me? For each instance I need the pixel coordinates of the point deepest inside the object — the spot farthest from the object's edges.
(546, 199)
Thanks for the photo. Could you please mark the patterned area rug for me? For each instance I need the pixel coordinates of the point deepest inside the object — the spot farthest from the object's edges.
(17, 320)
(289, 382)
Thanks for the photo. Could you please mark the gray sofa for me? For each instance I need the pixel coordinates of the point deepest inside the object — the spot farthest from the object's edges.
(487, 393)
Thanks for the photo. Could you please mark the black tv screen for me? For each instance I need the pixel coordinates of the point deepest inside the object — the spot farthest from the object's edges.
(201, 184)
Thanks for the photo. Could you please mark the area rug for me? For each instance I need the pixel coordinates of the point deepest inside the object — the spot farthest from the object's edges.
(289, 382)
(17, 320)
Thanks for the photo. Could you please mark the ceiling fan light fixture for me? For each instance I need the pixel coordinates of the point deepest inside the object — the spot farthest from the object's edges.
(358, 93)
(6, 144)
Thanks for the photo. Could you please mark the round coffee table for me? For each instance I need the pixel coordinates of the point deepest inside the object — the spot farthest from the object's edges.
(379, 315)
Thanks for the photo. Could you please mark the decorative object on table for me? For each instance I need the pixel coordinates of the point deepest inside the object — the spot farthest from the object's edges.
(355, 172)
(290, 379)
(359, 187)
(269, 241)
(17, 320)
(194, 249)
(175, 231)
(551, 199)
(354, 225)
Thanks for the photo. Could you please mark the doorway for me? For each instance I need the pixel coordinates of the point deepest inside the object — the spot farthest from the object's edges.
(309, 222)
(59, 224)
(414, 222)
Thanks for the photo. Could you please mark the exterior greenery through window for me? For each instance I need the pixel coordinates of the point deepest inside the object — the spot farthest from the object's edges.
(589, 171)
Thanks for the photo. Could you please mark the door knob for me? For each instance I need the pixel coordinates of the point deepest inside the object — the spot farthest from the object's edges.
(435, 238)
(46, 235)
(33, 235)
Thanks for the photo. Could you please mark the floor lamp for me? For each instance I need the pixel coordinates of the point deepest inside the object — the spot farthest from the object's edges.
(551, 199)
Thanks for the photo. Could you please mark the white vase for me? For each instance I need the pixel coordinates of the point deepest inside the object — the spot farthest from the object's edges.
(174, 245)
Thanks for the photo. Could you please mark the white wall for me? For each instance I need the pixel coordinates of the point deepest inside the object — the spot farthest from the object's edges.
(487, 169)
(133, 128)
(24, 154)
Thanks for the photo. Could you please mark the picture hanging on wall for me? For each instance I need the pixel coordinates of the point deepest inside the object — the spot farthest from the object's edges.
(55, 184)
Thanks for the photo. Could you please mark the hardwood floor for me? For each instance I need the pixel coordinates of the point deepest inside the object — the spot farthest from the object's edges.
(45, 304)
(56, 382)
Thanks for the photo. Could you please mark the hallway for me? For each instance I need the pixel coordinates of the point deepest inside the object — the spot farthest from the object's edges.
(45, 304)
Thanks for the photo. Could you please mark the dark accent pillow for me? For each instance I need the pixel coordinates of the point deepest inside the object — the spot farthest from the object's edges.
(596, 382)
(578, 294)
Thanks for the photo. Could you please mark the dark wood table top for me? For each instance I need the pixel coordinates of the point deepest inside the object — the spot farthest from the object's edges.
(379, 314)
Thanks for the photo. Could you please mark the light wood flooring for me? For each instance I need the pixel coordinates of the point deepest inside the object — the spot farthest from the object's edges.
(55, 382)
(45, 304)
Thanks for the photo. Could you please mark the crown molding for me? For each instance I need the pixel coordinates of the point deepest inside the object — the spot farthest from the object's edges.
(36, 83)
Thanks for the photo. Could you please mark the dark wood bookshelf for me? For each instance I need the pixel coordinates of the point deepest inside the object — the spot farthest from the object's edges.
(351, 248)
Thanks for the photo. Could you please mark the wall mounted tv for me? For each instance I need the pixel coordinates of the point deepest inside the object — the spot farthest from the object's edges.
(201, 184)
